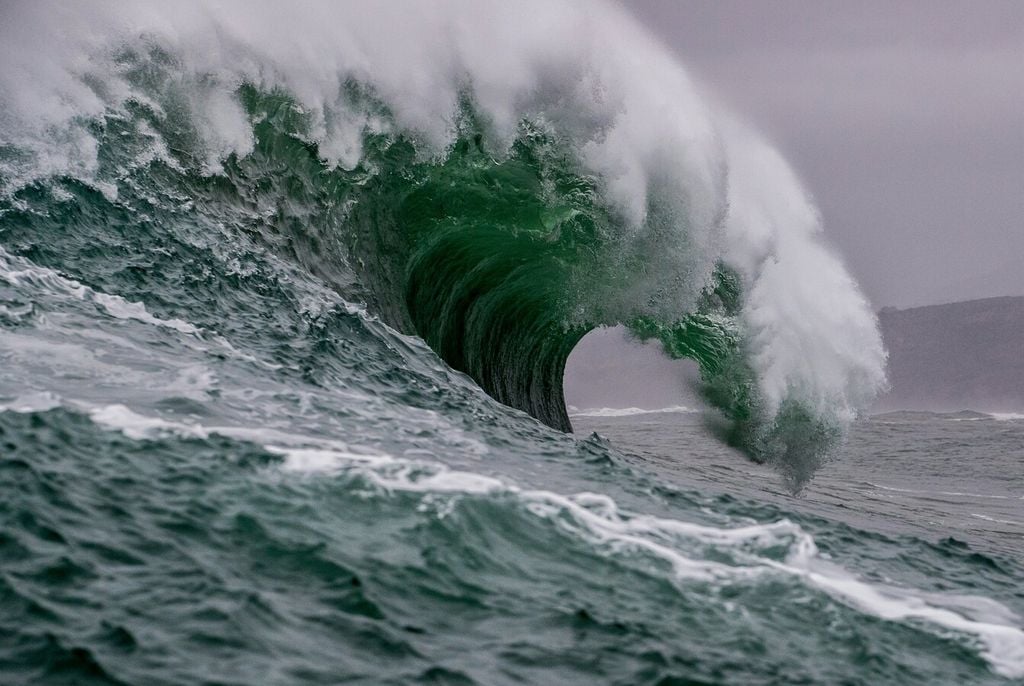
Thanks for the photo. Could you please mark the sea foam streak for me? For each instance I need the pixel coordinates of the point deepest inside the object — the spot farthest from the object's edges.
(749, 550)
(18, 271)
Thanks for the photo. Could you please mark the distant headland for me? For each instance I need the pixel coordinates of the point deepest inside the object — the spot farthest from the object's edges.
(959, 355)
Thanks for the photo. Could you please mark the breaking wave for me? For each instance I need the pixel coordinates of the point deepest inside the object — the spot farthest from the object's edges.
(497, 183)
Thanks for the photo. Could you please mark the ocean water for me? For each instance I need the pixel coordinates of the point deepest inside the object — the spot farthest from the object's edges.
(287, 538)
(956, 476)
(283, 326)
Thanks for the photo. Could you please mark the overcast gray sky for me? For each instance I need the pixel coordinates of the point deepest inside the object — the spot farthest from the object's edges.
(905, 119)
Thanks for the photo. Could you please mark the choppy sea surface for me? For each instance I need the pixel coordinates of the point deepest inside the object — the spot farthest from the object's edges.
(234, 524)
(954, 475)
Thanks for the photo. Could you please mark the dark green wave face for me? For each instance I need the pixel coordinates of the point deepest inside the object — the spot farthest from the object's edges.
(498, 264)
(502, 266)
(501, 263)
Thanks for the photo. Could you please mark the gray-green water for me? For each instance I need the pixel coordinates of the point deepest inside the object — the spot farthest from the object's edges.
(243, 255)
(143, 551)
(308, 505)
(956, 475)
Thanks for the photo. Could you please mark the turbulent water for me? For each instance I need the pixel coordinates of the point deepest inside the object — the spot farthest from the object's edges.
(286, 297)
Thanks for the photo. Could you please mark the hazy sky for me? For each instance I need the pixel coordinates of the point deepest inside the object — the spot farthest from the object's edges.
(905, 119)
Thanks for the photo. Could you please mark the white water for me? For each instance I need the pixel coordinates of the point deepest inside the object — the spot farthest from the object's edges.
(1007, 416)
(18, 271)
(746, 554)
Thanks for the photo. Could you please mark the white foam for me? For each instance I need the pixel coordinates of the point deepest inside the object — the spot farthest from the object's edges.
(41, 401)
(597, 519)
(137, 426)
(960, 494)
(1007, 416)
(195, 381)
(629, 411)
(1003, 645)
(119, 308)
(994, 520)
(18, 271)
(748, 552)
